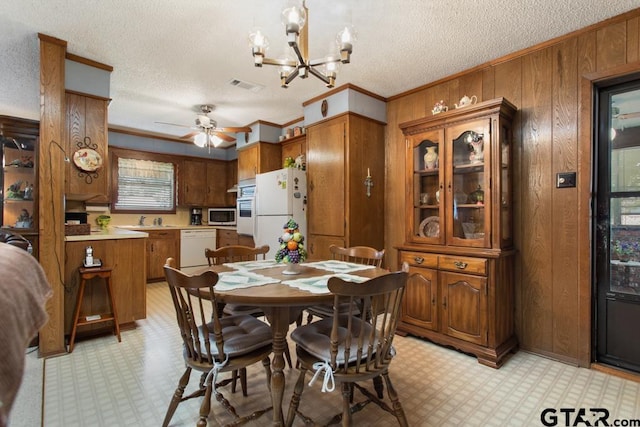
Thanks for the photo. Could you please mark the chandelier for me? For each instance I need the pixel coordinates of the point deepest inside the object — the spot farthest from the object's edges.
(294, 19)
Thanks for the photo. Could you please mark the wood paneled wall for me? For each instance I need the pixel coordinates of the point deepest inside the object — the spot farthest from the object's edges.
(552, 279)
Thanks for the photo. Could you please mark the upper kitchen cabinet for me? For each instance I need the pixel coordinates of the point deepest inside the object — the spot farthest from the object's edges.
(258, 158)
(294, 147)
(86, 176)
(203, 183)
(345, 179)
(232, 182)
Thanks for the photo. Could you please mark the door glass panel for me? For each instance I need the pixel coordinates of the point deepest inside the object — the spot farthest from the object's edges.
(467, 190)
(426, 197)
(624, 206)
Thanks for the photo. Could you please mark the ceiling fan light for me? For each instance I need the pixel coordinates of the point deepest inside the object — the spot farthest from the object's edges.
(200, 139)
(215, 141)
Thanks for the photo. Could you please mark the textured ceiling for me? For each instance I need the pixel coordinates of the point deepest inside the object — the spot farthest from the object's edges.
(170, 56)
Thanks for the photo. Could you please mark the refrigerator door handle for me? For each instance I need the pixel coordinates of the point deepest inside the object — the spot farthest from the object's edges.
(254, 204)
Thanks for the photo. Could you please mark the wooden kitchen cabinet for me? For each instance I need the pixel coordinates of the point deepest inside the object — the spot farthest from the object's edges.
(341, 152)
(232, 182)
(127, 257)
(258, 158)
(226, 238)
(294, 147)
(203, 183)
(231, 237)
(87, 179)
(459, 230)
(161, 244)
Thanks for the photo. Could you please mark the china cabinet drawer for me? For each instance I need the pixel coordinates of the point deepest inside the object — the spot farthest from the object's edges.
(419, 259)
(463, 264)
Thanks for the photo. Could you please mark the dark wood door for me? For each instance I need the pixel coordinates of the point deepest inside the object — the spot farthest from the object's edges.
(617, 225)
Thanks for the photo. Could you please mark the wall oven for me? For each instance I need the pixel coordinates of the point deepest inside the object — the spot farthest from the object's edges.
(245, 218)
(222, 216)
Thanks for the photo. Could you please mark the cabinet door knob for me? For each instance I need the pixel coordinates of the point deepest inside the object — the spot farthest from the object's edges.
(461, 265)
(444, 302)
(433, 301)
(418, 259)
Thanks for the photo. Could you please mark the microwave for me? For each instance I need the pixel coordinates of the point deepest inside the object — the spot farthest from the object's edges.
(221, 216)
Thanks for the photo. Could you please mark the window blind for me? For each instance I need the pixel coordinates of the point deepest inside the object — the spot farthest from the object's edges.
(145, 185)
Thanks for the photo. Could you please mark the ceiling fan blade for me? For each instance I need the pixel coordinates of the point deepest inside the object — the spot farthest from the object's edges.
(233, 129)
(189, 135)
(174, 124)
(224, 136)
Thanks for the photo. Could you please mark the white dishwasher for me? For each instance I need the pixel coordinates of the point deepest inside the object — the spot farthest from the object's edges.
(192, 246)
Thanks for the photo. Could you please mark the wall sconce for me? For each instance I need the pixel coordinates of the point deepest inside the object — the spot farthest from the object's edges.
(368, 182)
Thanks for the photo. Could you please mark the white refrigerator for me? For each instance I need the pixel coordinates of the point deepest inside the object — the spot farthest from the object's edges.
(280, 195)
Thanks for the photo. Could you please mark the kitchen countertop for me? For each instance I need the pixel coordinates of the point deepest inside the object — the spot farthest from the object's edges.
(108, 234)
(174, 227)
(136, 231)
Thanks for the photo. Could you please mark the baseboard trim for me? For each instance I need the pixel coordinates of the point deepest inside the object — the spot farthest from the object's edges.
(616, 372)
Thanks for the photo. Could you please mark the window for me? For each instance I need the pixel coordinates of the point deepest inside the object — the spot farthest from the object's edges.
(144, 185)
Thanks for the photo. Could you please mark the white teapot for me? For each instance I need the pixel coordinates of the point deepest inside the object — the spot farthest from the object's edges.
(465, 101)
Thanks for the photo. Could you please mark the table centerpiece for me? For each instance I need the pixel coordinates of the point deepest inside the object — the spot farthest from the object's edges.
(291, 250)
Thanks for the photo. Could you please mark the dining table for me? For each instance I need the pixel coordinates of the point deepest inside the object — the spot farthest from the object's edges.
(283, 297)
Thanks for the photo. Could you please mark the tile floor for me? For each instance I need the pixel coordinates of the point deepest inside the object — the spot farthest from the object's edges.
(106, 383)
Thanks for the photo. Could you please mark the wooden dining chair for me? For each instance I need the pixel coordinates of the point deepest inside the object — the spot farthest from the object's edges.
(356, 254)
(239, 253)
(212, 344)
(352, 347)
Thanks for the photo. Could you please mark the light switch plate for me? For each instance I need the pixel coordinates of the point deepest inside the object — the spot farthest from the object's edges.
(565, 179)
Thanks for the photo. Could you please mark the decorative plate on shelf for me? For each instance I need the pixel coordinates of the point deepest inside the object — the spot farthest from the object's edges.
(87, 159)
(429, 227)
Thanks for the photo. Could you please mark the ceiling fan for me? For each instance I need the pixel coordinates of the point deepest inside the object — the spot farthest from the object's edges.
(206, 133)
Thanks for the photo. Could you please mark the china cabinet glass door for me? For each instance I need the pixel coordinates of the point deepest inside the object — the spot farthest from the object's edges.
(468, 193)
(428, 199)
(18, 189)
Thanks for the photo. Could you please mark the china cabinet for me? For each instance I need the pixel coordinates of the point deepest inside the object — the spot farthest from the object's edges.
(459, 229)
(19, 178)
(341, 152)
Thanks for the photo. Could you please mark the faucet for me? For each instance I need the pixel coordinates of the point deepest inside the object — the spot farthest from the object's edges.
(159, 220)
(141, 220)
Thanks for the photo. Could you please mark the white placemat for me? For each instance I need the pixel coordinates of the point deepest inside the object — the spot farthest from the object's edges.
(230, 280)
(253, 265)
(338, 266)
(318, 285)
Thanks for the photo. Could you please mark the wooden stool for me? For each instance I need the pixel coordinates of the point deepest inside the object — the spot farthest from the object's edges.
(85, 275)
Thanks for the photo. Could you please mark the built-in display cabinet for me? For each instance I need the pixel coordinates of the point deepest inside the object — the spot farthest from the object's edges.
(459, 230)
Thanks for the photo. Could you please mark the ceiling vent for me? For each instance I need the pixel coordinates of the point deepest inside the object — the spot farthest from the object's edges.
(253, 87)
